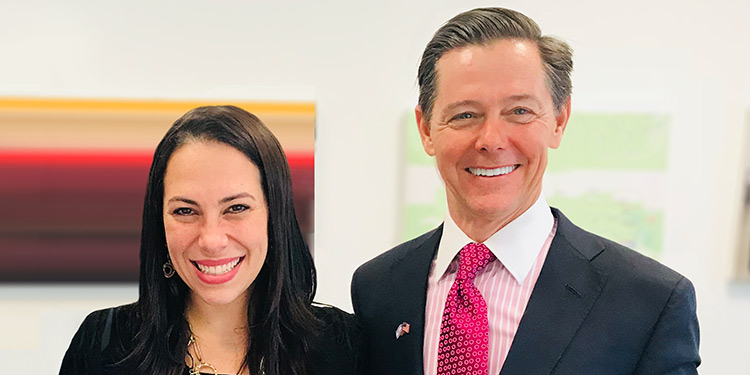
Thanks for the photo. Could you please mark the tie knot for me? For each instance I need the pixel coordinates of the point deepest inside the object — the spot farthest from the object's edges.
(472, 259)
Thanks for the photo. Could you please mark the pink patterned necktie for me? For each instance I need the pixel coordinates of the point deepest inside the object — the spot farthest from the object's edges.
(464, 331)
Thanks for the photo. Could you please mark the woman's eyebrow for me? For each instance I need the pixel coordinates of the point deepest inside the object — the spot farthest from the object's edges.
(222, 200)
(183, 199)
(236, 196)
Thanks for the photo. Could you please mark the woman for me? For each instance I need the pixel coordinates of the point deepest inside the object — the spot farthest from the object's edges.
(226, 279)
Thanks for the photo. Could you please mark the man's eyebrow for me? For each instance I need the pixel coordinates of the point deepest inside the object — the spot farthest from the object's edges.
(450, 107)
(513, 98)
(522, 97)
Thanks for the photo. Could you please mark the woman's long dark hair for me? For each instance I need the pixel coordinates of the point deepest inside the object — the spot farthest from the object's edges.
(280, 318)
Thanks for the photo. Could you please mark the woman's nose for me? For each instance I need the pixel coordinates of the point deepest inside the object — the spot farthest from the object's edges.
(213, 237)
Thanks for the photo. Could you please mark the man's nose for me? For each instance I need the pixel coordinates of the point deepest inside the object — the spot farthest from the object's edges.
(213, 238)
(493, 135)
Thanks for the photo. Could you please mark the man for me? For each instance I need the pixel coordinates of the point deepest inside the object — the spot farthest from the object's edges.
(506, 283)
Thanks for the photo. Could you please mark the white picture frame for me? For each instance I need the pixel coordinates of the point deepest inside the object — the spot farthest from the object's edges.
(742, 263)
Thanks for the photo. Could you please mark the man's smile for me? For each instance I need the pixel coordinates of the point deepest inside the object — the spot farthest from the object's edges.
(484, 172)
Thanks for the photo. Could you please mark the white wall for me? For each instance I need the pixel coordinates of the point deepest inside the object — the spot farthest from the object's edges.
(358, 61)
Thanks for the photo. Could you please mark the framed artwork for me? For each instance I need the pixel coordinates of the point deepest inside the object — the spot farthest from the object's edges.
(74, 175)
(742, 268)
(742, 265)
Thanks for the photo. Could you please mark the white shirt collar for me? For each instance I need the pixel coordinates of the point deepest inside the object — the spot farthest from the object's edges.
(516, 245)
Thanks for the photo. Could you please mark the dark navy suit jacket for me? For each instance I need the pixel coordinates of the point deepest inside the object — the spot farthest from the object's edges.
(597, 308)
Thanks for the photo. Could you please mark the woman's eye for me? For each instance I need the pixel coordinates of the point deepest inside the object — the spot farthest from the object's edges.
(183, 211)
(237, 208)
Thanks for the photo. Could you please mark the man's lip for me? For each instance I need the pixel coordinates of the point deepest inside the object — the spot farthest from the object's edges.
(493, 167)
(216, 262)
(492, 172)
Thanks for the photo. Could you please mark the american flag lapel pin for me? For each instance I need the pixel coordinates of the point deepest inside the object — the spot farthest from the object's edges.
(402, 329)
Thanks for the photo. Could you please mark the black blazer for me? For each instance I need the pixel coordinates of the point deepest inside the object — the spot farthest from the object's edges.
(105, 336)
(597, 308)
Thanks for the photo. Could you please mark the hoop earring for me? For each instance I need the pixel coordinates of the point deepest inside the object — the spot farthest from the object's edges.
(168, 269)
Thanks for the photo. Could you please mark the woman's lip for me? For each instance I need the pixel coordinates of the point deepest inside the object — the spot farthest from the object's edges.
(219, 279)
(216, 262)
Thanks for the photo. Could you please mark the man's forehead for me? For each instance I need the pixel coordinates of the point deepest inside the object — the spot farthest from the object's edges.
(511, 55)
(511, 64)
(465, 53)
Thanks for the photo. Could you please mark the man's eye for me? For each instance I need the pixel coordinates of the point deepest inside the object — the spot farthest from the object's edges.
(183, 211)
(521, 111)
(237, 208)
(463, 116)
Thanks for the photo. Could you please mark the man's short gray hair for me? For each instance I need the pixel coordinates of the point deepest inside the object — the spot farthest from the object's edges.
(482, 26)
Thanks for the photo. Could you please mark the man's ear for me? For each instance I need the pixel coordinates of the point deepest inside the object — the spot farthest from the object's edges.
(424, 131)
(561, 121)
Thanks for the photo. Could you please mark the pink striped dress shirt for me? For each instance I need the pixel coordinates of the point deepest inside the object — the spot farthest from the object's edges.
(506, 283)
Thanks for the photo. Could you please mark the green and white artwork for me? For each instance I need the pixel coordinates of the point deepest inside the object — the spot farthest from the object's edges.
(424, 193)
(609, 176)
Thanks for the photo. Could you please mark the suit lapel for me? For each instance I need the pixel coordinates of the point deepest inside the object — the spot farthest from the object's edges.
(410, 273)
(567, 288)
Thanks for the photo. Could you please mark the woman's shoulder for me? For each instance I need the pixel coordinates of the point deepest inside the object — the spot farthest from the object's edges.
(335, 320)
(99, 326)
(339, 347)
(118, 314)
(92, 343)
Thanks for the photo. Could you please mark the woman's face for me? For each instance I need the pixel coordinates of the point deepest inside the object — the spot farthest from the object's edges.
(215, 220)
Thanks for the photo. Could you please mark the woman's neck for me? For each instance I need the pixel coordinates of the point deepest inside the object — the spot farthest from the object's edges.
(217, 319)
(220, 331)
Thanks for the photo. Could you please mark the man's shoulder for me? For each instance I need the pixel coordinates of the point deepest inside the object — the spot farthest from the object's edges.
(618, 261)
(384, 262)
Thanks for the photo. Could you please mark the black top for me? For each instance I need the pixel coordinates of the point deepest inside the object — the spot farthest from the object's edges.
(104, 333)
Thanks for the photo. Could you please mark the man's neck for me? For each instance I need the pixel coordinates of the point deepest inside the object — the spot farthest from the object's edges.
(481, 227)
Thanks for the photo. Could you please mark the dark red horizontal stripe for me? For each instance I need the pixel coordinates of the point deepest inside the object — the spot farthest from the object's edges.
(75, 157)
(301, 159)
(121, 157)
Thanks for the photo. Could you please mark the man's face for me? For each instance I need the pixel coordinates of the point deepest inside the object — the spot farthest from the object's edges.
(492, 123)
